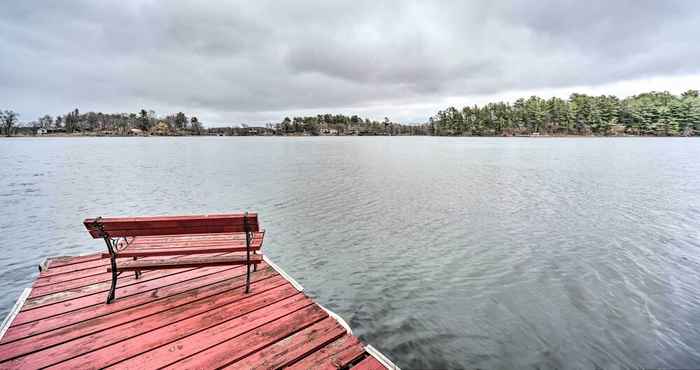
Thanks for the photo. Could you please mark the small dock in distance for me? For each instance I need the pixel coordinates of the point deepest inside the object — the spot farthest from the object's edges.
(181, 318)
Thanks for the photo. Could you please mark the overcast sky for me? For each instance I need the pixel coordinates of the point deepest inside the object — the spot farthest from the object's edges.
(258, 61)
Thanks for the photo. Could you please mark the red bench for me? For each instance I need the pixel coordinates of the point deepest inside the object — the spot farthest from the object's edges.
(197, 241)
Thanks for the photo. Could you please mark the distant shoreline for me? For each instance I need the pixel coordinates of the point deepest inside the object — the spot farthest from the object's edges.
(76, 136)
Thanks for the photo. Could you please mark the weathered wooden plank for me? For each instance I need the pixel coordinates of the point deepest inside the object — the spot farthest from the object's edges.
(54, 262)
(239, 347)
(77, 283)
(99, 297)
(50, 280)
(83, 291)
(177, 230)
(157, 221)
(72, 289)
(160, 264)
(140, 226)
(66, 269)
(216, 277)
(192, 243)
(105, 348)
(186, 346)
(369, 363)
(159, 239)
(176, 217)
(179, 251)
(64, 334)
(72, 279)
(294, 347)
(335, 355)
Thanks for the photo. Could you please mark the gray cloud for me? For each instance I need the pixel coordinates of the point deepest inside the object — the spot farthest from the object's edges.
(230, 61)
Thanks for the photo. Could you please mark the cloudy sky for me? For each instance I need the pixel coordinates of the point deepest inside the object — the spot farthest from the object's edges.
(252, 62)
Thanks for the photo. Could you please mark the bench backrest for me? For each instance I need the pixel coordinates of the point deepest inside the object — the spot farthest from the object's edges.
(172, 225)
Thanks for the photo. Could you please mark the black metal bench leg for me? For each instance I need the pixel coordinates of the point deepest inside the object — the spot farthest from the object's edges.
(113, 287)
(247, 251)
(137, 272)
(247, 279)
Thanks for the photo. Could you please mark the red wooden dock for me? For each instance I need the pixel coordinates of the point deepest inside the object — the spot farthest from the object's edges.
(177, 318)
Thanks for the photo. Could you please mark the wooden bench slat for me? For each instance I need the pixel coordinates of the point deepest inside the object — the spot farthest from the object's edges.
(173, 230)
(213, 216)
(159, 264)
(180, 251)
(185, 243)
(184, 240)
(252, 216)
(165, 225)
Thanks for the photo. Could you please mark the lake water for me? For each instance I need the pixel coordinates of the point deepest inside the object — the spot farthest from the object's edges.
(441, 252)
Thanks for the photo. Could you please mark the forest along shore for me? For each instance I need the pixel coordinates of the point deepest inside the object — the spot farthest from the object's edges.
(647, 114)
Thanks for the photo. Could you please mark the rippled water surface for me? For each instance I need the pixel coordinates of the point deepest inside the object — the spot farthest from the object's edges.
(441, 252)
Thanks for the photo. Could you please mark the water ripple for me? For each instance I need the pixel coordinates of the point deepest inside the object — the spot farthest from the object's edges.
(442, 252)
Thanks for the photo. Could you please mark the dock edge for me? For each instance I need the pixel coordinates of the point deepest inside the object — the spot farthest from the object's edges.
(371, 350)
(381, 358)
(15, 310)
(279, 270)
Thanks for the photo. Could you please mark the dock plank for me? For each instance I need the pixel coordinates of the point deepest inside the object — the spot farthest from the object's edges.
(335, 355)
(69, 332)
(239, 347)
(203, 340)
(86, 348)
(217, 275)
(98, 298)
(73, 284)
(54, 262)
(369, 363)
(292, 348)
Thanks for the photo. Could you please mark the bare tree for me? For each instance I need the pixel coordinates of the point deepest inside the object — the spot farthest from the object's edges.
(9, 119)
(46, 121)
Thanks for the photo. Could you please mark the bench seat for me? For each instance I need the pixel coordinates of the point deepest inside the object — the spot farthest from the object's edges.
(185, 262)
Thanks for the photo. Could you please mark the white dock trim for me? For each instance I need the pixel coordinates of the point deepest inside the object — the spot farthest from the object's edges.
(284, 274)
(337, 318)
(381, 358)
(15, 310)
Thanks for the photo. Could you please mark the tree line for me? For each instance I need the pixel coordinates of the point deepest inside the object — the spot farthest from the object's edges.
(652, 113)
(144, 121)
(339, 124)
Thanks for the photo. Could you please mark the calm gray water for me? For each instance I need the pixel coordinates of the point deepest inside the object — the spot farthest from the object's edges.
(441, 252)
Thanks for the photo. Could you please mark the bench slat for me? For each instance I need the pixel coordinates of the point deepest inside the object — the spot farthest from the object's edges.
(153, 252)
(173, 225)
(159, 264)
(181, 242)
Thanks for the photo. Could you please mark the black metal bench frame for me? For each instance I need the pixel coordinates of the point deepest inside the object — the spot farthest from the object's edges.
(114, 243)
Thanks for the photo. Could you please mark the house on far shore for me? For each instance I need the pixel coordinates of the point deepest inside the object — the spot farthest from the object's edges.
(136, 132)
(42, 131)
(162, 129)
(617, 130)
(329, 132)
